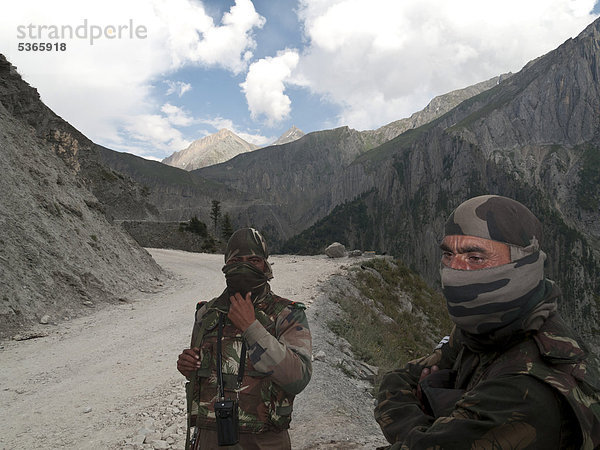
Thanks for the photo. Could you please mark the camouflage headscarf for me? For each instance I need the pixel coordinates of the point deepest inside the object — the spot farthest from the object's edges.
(246, 242)
(508, 297)
(496, 218)
(244, 277)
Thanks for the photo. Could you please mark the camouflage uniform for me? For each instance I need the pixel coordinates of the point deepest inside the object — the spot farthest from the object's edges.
(278, 366)
(515, 399)
(512, 375)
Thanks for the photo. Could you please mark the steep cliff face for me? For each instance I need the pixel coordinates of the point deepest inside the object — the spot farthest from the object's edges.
(534, 137)
(119, 195)
(548, 134)
(59, 255)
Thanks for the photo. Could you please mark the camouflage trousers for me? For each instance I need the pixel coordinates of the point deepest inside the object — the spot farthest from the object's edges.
(270, 440)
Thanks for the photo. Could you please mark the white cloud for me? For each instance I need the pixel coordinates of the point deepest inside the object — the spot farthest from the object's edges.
(215, 48)
(99, 87)
(257, 139)
(219, 123)
(265, 84)
(177, 87)
(192, 36)
(177, 116)
(382, 60)
(156, 131)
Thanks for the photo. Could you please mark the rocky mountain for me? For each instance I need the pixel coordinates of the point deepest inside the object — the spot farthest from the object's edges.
(294, 180)
(437, 107)
(209, 150)
(534, 137)
(300, 180)
(290, 135)
(293, 198)
(59, 252)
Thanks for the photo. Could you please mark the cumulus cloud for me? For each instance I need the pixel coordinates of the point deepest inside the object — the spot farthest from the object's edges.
(111, 82)
(192, 35)
(158, 131)
(155, 130)
(177, 116)
(386, 59)
(265, 84)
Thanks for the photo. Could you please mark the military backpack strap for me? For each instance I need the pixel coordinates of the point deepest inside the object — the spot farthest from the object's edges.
(202, 308)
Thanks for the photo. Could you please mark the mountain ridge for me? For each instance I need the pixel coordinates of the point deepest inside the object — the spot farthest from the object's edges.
(212, 149)
(220, 147)
(532, 136)
(290, 135)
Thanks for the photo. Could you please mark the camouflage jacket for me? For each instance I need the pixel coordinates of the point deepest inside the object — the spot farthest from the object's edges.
(278, 363)
(536, 394)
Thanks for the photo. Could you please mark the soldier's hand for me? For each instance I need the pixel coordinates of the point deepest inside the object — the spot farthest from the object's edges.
(241, 311)
(188, 361)
(424, 374)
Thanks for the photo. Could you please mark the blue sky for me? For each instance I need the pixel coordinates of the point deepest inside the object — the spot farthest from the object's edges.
(259, 67)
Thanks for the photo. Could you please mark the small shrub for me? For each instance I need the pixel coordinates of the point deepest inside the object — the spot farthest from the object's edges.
(194, 226)
(409, 335)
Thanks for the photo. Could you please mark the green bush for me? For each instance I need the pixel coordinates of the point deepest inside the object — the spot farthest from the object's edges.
(194, 226)
(410, 334)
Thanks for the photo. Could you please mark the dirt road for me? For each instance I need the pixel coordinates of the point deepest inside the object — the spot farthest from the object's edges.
(93, 381)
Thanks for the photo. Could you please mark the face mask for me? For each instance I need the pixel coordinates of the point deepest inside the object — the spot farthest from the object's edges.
(245, 277)
(485, 300)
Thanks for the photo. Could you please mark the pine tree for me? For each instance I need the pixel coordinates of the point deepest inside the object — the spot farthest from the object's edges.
(215, 213)
(226, 227)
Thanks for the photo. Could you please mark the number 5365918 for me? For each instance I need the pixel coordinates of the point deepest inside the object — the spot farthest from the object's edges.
(42, 46)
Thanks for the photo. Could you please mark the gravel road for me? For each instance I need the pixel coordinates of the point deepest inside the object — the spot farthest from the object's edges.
(109, 380)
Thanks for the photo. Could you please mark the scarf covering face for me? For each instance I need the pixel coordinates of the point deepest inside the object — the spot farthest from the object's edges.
(244, 277)
(507, 297)
(485, 300)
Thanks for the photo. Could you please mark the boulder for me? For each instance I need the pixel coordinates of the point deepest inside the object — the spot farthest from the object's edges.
(336, 250)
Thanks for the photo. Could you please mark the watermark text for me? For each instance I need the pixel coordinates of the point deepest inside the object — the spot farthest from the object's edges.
(85, 31)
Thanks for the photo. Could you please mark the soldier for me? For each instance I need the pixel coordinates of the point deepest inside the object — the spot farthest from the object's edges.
(511, 375)
(250, 355)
